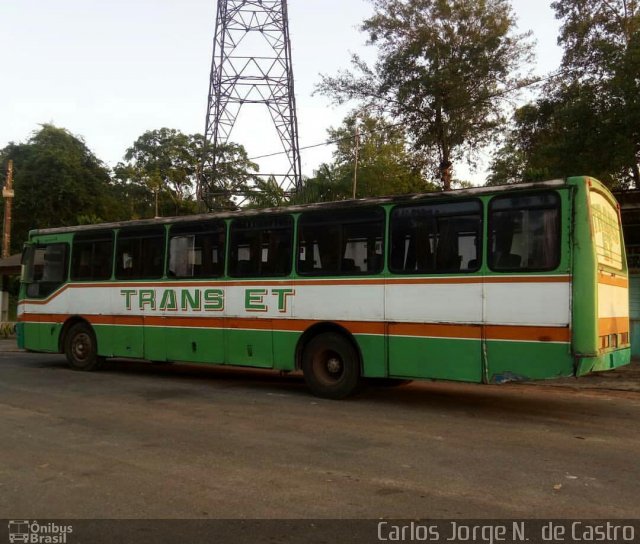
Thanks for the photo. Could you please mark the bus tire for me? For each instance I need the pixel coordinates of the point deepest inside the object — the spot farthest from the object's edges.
(331, 366)
(81, 348)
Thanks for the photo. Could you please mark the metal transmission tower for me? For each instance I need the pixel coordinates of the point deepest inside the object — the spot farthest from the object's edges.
(251, 65)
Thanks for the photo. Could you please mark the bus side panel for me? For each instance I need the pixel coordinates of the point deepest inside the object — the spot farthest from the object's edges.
(455, 359)
(248, 347)
(27, 332)
(372, 348)
(527, 333)
(435, 328)
(198, 345)
(284, 348)
(128, 339)
(516, 361)
(104, 338)
(40, 330)
(155, 338)
(30, 337)
(50, 337)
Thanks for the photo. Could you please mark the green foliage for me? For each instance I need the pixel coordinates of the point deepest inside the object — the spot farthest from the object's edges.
(266, 194)
(444, 69)
(588, 121)
(165, 162)
(235, 175)
(384, 165)
(58, 181)
(325, 186)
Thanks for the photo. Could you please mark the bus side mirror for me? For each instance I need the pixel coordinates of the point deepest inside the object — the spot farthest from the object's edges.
(26, 268)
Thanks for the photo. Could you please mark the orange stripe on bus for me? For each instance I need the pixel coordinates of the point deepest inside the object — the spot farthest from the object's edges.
(616, 281)
(420, 330)
(530, 334)
(612, 325)
(436, 330)
(527, 279)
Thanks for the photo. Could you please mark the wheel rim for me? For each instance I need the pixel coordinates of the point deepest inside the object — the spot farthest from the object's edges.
(328, 366)
(81, 347)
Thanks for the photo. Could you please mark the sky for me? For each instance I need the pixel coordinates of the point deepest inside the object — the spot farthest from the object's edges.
(109, 71)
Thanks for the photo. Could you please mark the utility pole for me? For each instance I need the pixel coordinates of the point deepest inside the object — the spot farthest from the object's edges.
(7, 194)
(155, 192)
(355, 169)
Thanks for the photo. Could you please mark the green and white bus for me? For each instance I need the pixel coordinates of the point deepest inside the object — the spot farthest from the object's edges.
(481, 285)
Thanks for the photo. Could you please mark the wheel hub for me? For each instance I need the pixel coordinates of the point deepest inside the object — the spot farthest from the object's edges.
(81, 346)
(334, 365)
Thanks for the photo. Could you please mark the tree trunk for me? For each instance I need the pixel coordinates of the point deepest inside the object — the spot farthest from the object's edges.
(445, 163)
(445, 174)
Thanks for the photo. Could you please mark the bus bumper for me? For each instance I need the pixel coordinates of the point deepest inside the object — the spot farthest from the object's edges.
(606, 361)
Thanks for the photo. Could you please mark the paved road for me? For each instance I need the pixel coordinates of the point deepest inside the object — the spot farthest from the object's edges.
(138, 440)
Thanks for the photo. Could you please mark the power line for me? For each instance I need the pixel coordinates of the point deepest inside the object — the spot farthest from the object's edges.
(502, 92)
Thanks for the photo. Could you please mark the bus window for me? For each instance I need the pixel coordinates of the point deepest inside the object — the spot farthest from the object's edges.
(196, 250)
(47, 269)
(140, 253)
(261, 246)
(524, 233)
(436, 238)
(341, 242)
(92, 256)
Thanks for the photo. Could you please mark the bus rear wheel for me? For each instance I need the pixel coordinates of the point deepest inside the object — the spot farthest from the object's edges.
(81, 348)
(331, 366)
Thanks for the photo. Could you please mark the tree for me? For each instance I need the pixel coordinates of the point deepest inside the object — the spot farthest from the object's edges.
(563, 134)
(234, 178)
(326, 185)
(588, 121)
(161, 163)
(164, 164)
(601, 40)
(266, 193)
(384, 164)
(374, 152)
(58, 181)
(444, 70)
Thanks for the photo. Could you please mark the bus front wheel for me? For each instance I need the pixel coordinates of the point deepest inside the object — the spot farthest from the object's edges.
(81, 348)
(331, 366)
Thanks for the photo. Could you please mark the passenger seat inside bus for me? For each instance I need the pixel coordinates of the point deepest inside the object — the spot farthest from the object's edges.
(508, 261)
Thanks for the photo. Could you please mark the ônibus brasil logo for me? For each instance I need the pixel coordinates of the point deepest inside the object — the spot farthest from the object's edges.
(32, 532)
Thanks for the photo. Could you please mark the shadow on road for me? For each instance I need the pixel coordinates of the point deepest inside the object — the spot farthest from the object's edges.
(543, 400)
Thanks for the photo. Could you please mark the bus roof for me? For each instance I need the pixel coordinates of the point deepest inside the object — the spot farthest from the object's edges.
(336, 205)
